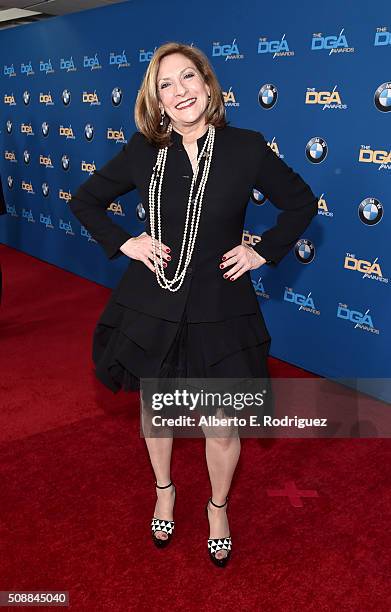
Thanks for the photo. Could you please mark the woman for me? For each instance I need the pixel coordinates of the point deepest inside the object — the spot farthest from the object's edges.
(195, 174)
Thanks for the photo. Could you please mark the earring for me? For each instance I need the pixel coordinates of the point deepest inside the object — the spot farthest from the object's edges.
(162, 119)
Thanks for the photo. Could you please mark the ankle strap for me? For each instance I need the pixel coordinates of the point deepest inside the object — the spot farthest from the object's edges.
(222, 505)
(165, 486)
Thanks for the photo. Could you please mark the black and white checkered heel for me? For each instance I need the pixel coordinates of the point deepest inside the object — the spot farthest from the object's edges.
(162, 525)
(216, 544)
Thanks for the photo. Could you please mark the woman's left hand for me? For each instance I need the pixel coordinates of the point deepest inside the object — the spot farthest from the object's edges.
(244, 258)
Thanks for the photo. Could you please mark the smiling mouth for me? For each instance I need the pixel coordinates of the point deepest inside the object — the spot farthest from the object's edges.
(186, 103)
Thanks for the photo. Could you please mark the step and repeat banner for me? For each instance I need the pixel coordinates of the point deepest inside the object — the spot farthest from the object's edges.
(315, 80)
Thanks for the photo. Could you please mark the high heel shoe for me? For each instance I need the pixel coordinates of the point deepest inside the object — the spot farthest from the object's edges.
(162, 525)
(216, 544)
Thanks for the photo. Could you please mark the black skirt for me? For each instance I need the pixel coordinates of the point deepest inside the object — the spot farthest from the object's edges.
(129, 345)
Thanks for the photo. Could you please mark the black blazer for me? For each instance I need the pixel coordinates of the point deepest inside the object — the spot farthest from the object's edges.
(241, 161)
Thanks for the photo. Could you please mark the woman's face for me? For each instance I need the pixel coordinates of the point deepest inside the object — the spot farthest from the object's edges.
(182, 92)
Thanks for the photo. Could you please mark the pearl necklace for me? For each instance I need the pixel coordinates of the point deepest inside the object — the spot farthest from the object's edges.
(157, 181)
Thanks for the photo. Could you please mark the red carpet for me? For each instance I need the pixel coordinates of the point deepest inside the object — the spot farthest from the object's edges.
(77, 489)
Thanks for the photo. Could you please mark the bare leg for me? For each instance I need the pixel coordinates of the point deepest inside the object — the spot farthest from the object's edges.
(160, 451)
(222, 451)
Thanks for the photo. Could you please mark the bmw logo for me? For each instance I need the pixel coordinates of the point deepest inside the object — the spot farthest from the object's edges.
(316, 150)
(10, 182)
(89, 132)
(45, 128)
(140, 212)
(26, 97)
(304, 251)
(66, 97)
(26, 156)
(116, 96)
(267, 96)
(382, 97)
(8, 126)
(45, 189)
(258, 197)
(370, 211)
(65, 162)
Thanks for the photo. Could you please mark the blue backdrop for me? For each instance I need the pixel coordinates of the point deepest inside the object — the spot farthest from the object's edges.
(313, 78)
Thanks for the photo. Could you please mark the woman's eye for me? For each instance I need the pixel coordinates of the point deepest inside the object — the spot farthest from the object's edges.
(189, 74)
(163, 85)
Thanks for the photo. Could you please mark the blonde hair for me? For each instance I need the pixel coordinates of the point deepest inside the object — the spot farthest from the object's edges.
(147, 112)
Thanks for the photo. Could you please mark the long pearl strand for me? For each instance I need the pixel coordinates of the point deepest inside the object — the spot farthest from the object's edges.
(157, 180)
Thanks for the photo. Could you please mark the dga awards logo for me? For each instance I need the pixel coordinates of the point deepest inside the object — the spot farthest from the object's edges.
(86, 234)
(230, 98)
(273, 144)
(279, 48)
(116, 208)
(316, 150)
(9, 99)
(65, 226)
(27, 213)
(9, 71)
(91, 98)
(268, 96)
(117, 135)
(370, 211)
(46, 66)
(146, 55)
(26, 69)
(382, 97)
(303, 302)
(227, 51)
(380, 157)
(46, 161)
(304, 251)
(323, 208)
(328, 100)
(368, 269)
(92, 62)
(67, 64)
(118, 59)
(26, 128)
(27, 186)
(250, 239)
(88, 167)
(382, 37)
(67, 132)
(46, 220)
(46, 99)
(360, 320)
(331, 43)
(259, 288)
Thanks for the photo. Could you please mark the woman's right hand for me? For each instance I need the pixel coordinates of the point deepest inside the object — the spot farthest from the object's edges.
(140, 247)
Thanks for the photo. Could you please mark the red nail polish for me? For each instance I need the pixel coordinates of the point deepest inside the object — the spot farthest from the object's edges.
(169, 258)
(223, 258)
(232, 278)
(168, 250)
(225, 275)
(221, 265)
